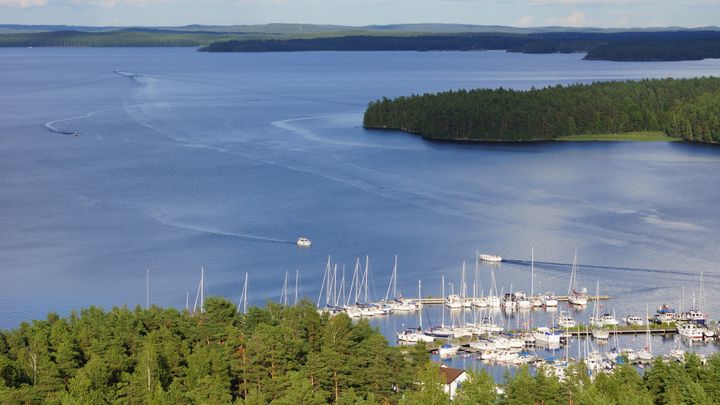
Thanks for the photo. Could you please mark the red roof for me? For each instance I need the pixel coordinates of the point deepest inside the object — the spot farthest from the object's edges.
(450, 374)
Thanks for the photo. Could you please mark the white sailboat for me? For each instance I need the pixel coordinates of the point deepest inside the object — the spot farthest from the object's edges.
(598, 326)
(576, 297)
(535, 302)
(393, 299)
(645, 355)
(415, 335)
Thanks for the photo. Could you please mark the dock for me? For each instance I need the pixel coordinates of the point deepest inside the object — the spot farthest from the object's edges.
(560, 298)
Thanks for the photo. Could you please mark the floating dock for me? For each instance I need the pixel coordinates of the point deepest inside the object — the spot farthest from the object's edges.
(560, 298)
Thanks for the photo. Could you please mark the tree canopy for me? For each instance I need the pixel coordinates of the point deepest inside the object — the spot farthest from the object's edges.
(685, 108)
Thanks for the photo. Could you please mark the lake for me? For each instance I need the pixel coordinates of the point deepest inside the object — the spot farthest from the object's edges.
(183, 160)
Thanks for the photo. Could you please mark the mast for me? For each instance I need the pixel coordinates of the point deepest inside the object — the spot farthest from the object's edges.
(242, 303)
(297, 278)
(367, 261)
(147, 289)
(284, 291)
(327, 266)
(532, 271)
(442, 280)
(392, 286)
(419, 300)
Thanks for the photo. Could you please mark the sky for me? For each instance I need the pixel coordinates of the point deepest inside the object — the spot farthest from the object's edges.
(519, 13)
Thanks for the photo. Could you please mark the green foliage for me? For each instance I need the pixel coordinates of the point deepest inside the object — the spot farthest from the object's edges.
(286, 355)
(685, 108)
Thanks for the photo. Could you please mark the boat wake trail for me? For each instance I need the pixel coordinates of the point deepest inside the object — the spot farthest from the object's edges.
(219, 232)
(51, 126)
(568, 265)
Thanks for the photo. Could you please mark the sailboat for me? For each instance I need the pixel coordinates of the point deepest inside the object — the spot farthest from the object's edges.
(598, 326)
(645, 354)
(576, 297)
(535, 302)
(393, 299)
(415, 335)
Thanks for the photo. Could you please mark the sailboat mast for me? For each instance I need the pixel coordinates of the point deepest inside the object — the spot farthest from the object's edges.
(297, 278)
(532, 271)
(442, 280)
(147, 289)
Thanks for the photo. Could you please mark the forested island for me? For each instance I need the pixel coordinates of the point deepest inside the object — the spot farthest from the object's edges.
(623, 46)
(688, 109)
(285, 355)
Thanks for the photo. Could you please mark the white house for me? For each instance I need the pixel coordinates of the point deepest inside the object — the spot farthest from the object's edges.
(452, 378)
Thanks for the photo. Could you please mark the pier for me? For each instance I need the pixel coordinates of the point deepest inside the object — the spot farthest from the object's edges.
(560, 298)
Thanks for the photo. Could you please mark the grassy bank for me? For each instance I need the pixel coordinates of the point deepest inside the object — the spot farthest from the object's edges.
(640, 136)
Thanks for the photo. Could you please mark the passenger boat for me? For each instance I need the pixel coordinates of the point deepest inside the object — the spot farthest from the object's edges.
(303, 242)
(490, 258)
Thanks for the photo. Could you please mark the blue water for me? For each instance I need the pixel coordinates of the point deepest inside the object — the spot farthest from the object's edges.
(187, 159)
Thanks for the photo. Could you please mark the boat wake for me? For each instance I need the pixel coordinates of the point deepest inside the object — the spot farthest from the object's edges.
(51, 126)
(218, 232)
(568, 265)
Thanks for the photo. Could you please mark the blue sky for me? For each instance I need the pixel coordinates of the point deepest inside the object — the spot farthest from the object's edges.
(596, 13)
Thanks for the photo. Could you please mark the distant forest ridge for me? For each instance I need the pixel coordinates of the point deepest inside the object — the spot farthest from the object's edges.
(684, 108)
(601, 45)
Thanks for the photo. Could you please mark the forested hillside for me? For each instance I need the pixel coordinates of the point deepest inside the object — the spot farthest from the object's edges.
(686, 108)
(289, 356)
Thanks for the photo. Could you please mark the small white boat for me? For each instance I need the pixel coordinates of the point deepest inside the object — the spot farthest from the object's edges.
(483, 344)
(549, 299)
(490, 258)
(453, 301)
(564, 320)
(546, 335)
(634, 320)
(506, 356)
(677, 354)
(414, 336)
(448, 350)
(303, 242)
(630, 354)
(691, 330)
(522, 300)
(644, 355)
(600, 333)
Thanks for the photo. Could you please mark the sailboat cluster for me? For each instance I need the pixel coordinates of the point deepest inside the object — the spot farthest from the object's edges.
(472, 322)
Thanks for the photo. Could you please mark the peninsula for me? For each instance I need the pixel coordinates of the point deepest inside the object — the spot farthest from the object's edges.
(657, 109)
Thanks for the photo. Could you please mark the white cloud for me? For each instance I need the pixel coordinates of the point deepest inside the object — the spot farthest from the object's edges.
(22, 3)
(576, 19)
(525, 21)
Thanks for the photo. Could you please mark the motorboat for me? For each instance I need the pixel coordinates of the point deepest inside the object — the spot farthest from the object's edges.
(303, 242)
(644, 355)
(691, 330)
(600, 333)
(490, 258)
(483, 344)
(665, 314)
(564, 320)
(522, 300)
(546, 335)
(453, 301)
(509, 302)
(634, 320)
(549, 299)
(506, 356)
(630, 354)
(578, 298)
(448, 350)
(414, 336)
(480, 302)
